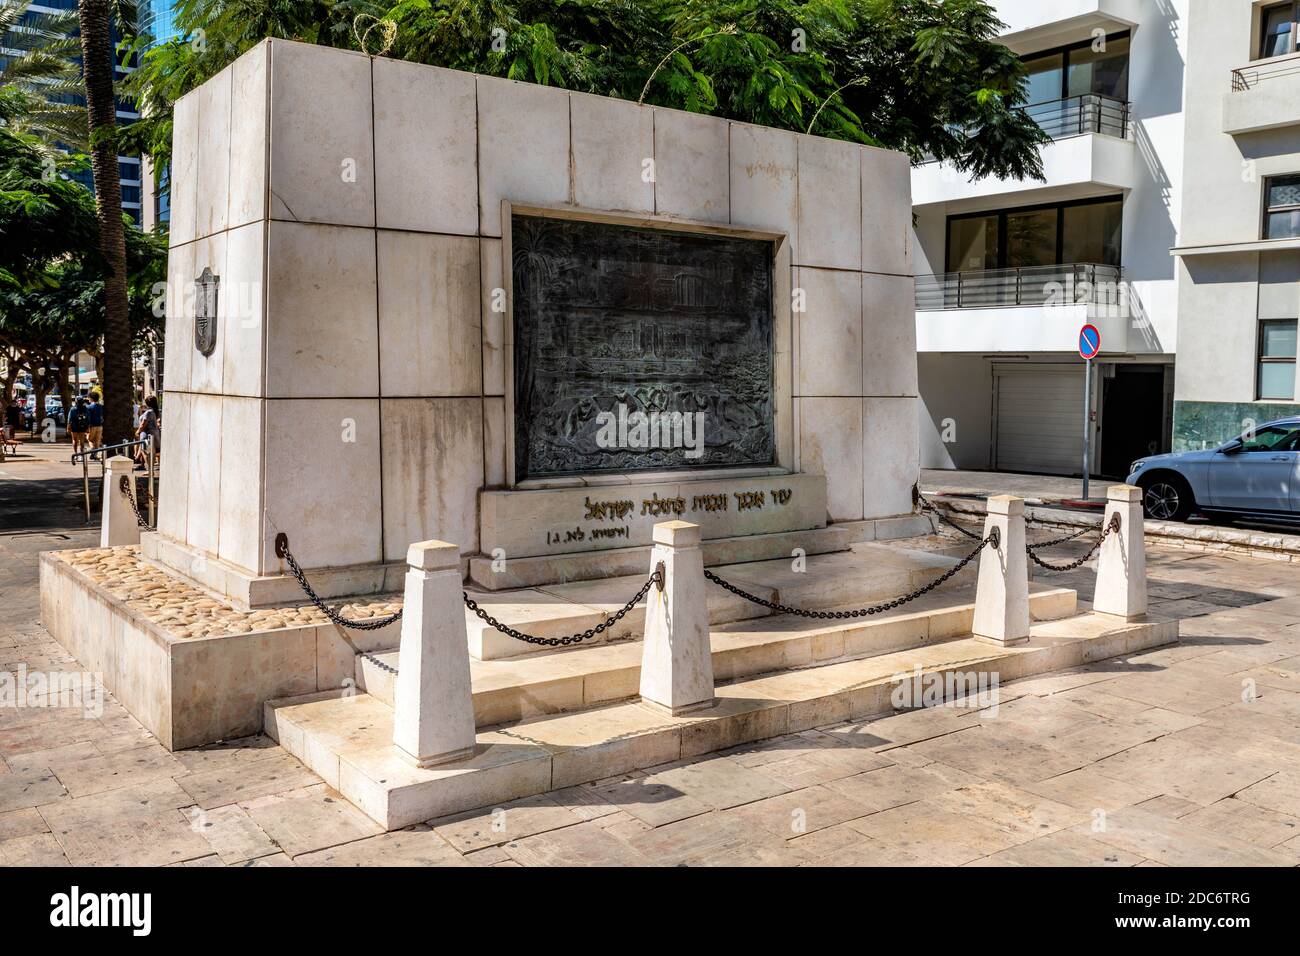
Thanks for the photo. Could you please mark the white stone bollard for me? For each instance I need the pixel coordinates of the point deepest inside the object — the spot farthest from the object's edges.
(433, 706)
(118, 525)
(1002, 593)
(1122, 563)
(676, 659)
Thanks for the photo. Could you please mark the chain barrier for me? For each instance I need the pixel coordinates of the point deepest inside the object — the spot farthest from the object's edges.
(993, 539)
(140, 519)
(369, 624)
(1112, 526)
(928, 505)
(656, 577)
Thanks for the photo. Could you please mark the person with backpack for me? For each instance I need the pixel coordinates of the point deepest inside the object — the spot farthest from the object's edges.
(78, 425)
(95, 417)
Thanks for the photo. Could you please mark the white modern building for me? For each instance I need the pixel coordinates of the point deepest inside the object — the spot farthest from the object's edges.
(1238, 249)
(1169, 218)
(1009, 271)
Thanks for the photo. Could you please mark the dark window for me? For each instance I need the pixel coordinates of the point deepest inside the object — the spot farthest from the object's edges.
(1272, 438)
(1278, 29)
(1282, 207)
(1084, 231)
(1277, 340)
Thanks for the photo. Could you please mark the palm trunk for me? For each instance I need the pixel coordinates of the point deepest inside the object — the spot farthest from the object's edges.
(101, 109)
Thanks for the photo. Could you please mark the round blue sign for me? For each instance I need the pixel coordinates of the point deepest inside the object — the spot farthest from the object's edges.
(1089, 341)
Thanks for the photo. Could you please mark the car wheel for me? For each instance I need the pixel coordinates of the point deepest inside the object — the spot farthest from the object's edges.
(1167, 499)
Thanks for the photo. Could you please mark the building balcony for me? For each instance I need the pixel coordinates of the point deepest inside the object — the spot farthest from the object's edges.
(1091, 152)
(1265, 95)
(1029, 310)
(1038, 24)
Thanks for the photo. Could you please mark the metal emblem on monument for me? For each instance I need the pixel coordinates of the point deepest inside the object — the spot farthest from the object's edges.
(205, 311)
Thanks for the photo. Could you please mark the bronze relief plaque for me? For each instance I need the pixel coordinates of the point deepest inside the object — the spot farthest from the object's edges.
(639, 349)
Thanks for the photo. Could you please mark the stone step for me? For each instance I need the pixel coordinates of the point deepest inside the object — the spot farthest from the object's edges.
(491, 575)
(574, 678)
(346, 738)
(867, 574)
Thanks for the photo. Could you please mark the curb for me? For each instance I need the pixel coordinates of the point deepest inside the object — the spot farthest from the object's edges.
(1258, 544)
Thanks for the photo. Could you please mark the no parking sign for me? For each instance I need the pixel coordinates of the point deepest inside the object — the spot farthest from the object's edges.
(1089, 342)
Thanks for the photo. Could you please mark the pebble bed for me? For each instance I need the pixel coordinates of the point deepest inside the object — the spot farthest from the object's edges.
(185, 611)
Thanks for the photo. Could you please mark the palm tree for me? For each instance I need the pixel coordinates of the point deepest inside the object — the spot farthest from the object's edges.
(44, 68)
(95, 17)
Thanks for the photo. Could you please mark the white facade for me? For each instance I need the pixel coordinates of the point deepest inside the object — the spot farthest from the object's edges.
(1237, 280)
(981, 353)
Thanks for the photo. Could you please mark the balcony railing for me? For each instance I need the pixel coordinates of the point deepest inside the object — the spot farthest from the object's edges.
(1076, 115)
(1249, 77)
(1084, 283)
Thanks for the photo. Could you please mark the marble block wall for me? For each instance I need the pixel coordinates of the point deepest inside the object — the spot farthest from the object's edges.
(356, 398)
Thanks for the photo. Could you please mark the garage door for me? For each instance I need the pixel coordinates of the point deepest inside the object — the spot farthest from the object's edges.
(1038, 425)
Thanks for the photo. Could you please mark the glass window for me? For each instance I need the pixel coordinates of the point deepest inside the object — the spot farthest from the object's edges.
(1272, 438)
(1045, 78)
(1277, 342)
(1031, 238)
(1282, 207)
(1278, 30)
(1101, 68)
(973, 244)
(1092, 233)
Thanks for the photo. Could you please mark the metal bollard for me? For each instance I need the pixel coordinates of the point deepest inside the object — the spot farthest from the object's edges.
(676, 659)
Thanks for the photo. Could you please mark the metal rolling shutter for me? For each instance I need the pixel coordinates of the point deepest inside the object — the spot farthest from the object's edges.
(1039, 411)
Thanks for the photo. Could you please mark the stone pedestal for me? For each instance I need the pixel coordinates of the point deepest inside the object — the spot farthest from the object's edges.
(433, 719)
(118, 525)
(1002, 594)
(677, 661)
(1122, 562)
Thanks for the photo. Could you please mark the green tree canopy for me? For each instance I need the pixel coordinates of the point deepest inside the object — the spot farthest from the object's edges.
(920, 76)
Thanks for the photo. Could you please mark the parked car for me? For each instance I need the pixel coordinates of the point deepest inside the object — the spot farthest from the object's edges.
(53, 409)
(1254, 475)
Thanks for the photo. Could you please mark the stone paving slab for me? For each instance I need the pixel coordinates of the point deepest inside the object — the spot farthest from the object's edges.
(1212, 780)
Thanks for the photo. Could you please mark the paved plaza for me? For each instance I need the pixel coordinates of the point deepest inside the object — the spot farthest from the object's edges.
(1185, 755)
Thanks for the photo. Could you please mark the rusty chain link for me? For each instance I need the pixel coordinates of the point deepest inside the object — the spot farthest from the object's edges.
(140, 519)
(1112, 526)
(994, 539)
(370, 624)
(656, 577)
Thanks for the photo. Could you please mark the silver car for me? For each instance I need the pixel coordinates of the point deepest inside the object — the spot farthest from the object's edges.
(1255, 475)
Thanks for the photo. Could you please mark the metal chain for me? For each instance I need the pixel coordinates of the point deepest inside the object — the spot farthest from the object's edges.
(928, 505)
(125, 486)
(994, 539)
(1112, 525)
(370, 624)
(1056, 541)
(656, 577)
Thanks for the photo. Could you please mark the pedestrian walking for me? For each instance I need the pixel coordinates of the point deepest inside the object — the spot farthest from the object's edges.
(95, 416)
(150, 427)
(78, 425)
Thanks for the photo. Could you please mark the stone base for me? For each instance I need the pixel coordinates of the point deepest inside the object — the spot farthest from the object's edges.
(248, 591)
(198, 682)
(1000, 642)
(515, 573)
(664, 710)
(531, 522)
(348, 741)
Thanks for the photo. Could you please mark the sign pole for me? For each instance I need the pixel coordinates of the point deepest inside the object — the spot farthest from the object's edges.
(1089, 348)
(1087, 422)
